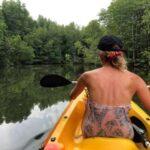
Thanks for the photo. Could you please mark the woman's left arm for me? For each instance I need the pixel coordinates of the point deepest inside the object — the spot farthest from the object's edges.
(80, 85)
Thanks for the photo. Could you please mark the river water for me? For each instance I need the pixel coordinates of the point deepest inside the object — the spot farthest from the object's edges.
(27, 109)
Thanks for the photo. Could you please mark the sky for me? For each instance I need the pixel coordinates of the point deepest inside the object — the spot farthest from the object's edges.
(65, 11)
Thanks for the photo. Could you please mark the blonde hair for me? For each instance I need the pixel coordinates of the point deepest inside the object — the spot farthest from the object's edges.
(115, 59)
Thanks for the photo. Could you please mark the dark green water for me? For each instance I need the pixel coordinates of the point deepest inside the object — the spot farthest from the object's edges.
(27, 109)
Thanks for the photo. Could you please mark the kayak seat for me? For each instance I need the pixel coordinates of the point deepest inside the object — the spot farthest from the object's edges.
(99, 143)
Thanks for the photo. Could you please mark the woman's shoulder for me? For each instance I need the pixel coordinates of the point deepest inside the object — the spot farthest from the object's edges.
(134, 77)
(90, 73)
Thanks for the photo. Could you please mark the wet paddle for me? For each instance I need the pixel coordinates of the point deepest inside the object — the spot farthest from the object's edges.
(53, 80)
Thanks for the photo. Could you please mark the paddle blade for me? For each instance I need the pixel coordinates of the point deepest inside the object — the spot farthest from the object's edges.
(53, 80)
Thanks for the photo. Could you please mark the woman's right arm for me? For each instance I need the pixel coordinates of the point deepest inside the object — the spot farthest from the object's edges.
(143, 92)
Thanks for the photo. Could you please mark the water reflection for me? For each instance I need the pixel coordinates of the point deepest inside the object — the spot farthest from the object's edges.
(20, 90)
(26, 108)
(18, 136)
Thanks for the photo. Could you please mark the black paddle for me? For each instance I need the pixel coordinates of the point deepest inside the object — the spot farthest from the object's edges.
(53, 80)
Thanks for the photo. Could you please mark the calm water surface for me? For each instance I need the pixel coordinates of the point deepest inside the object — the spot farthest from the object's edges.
(27, 109)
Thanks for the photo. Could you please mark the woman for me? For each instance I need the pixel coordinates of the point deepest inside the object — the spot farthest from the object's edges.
(111, 89)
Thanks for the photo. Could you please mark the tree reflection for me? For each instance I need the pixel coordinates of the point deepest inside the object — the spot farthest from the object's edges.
(20, 91)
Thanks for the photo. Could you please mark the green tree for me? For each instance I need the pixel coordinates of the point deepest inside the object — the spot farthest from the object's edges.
(4, 54)
(70, 37)
(91, 35)
(17, 18)
(20, 52)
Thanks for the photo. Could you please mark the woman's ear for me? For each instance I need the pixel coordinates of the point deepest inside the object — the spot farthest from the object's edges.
(102, 57)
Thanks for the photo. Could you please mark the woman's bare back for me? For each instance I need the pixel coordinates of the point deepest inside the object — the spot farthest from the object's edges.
(109, 86)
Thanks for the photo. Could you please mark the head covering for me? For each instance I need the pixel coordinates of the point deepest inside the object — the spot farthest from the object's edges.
(110, 43)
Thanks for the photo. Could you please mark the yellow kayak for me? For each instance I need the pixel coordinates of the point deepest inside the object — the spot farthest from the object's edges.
(67, 134)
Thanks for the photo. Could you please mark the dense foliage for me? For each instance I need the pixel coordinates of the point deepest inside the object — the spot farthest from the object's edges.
(27, 41)
(130, 20)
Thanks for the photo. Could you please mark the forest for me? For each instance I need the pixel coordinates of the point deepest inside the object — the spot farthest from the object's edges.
(25, 41)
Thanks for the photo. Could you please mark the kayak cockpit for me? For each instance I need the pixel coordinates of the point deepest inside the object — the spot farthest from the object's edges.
(67, 133)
